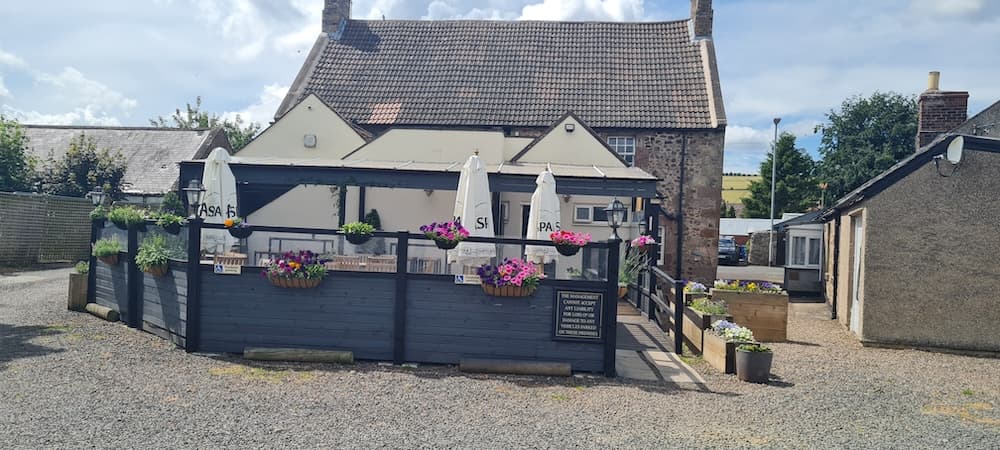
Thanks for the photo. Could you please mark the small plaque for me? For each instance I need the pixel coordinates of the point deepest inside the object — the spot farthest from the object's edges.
(468, 279)
(227, 269)
(578, 316)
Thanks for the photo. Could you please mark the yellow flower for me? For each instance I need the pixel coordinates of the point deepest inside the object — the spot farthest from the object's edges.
(228, 223)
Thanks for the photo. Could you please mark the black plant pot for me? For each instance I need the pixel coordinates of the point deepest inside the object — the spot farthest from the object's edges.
(358, 239)
(240, 232)
(567, 249)
(100, 222)
(445, 244)
(754, 367)
(120, 225)
(172, 228)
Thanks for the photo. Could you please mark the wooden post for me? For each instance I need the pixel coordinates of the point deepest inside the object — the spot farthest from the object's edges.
(95, 233)
(193, 332)
(610, 319)
(133, 277)
(399, 310)
(77, 300)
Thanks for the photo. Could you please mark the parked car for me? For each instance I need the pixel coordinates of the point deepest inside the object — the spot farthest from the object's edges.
(729, 252)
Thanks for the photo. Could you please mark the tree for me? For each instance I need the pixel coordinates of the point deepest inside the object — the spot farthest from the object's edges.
(17, 167)
(863, 139)
(172, 204)
(727, 211)
(237, 130)
(84, 168)
(796, 189)
(731, 212)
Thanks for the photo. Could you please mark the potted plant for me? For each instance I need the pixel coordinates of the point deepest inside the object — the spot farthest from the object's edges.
(698, 319)
(753, 363)
(107, 251)
(635, 258)
(77, 299)
(694, 290)
(720, 344)
(512, 278)
(446, 235)
(759, 305)
(642, 243)
(171, 223)
(238, 228)
(125, 217)
(301, 269)
(99, 214)
(358, 233)
(568, 243)
(153, 256)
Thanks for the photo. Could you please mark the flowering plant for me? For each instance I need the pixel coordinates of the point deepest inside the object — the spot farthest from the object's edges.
(732, 332)
(296, 265)
(643, 241)
(564, 237)
(445, 231)
(695, 287)
(234, 222)
(512, 272)
(763, 287)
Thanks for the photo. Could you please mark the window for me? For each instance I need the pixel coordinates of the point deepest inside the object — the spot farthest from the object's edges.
(624, 146)
(588, 214)
(814, 251)
(805, 251)
(600, 215)
(799, 251)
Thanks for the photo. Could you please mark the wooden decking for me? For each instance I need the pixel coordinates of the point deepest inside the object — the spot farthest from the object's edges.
(643, 352)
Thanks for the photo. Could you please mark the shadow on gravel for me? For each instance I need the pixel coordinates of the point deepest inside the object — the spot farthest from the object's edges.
(14, 342)
(808, 344)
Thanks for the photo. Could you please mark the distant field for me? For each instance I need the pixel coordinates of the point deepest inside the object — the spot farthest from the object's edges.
(735, 187)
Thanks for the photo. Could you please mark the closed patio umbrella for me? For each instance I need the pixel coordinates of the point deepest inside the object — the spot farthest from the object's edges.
(543, 218)
(474, 210)
(219, 201)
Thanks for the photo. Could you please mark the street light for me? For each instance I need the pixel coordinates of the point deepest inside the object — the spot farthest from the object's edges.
(774, 171)
(194, 191)
(97, 197)
(616, 215)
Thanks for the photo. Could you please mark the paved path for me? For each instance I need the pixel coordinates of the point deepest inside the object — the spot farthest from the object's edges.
(644, 353)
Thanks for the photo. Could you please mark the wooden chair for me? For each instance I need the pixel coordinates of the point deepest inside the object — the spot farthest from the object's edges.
(230, 259)
(345, 263)
(381, 264)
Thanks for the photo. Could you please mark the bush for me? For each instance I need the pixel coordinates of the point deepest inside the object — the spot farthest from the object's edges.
(358, 228)
(107, 247)
(82, 267)
(126, 215)
(152, 252)
(373, 219)
(99, 213)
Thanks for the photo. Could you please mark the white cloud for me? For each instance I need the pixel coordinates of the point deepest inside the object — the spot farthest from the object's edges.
(11, 60)
(612, 10)
(952, 8)
(4, 92)
(78, 116)
(262, 111)
(252, 28)
(73, 86)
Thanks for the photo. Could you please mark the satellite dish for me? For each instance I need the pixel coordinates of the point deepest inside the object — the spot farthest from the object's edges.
(955, 149)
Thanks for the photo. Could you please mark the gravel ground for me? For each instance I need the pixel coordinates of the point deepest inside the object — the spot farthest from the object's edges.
(69, 380)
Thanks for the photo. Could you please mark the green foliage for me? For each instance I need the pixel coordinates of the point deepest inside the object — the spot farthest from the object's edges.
(84, 168)
(99, 213)
(867, 136)
(727, 211)
(17, 167)
(239, 132)
(707, 306)
(153, 251)
(358, 228)
(754, 348)
(172, 204)
(126, 215)
(797, 189)
(373, 219)
(107, 247)
(165, 218)
(82, 267)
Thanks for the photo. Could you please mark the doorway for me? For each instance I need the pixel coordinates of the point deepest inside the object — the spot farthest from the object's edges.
(857, 252)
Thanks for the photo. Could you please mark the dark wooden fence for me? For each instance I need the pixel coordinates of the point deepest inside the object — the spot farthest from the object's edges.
(395, 316)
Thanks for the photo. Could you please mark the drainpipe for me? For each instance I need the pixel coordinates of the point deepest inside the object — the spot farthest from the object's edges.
(678, 287)
(836, 265)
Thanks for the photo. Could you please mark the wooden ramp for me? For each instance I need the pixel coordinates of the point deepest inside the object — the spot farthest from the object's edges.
(643, 352)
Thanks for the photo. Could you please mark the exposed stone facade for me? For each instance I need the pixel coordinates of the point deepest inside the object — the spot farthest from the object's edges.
(334, 11)
(939, 112)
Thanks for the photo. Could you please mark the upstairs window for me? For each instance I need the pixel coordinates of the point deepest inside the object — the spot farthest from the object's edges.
(624, 146)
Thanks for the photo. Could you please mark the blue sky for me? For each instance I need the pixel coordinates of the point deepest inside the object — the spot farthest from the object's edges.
(125, 61)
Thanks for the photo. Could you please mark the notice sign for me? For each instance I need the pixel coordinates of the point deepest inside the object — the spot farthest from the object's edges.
(578, 316)
(226, 269)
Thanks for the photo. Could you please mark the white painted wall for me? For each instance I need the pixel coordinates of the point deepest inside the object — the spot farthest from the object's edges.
(284, 139)
(578, 147)
(437, 146)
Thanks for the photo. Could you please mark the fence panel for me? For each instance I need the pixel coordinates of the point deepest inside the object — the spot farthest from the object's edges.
(43, 228)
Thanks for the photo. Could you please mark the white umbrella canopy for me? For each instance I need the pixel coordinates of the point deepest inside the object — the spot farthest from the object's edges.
(474, 210)
(219, 200)
(543, 219)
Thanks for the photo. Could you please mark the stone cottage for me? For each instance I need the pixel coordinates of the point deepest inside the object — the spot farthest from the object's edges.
(647, 89)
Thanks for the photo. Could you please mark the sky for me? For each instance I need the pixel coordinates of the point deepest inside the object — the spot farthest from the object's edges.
(122, 62)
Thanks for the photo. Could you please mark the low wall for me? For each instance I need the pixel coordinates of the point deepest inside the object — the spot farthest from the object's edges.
(446, 322)
(164, 303)
(112, 286)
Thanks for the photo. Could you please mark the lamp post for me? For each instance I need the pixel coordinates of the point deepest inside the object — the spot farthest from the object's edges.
(774, 172)
(616, 216)
(97, 197)
(194, 191)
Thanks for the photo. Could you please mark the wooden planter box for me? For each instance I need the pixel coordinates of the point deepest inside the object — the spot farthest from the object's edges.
(696, 325)
(764, 314)
(719, 353)
(688, 296)
(77, 300)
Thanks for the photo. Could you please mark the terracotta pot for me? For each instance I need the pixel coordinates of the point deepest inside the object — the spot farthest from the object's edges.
(111, 260)
(358, 239)
(567, 249)
(445, 244)
(240, 232)
(754, 367)
(158, 271)
(622, 291)
(507, 291)
(294, 283)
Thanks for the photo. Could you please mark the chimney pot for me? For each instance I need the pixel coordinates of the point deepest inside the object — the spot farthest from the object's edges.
(933, 81)
(939, 111)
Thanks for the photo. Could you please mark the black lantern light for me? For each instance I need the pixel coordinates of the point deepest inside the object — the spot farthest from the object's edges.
(194, 191)
(616, 216)
(97, 197)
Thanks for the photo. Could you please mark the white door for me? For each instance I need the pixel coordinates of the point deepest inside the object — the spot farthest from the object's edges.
(856, 275)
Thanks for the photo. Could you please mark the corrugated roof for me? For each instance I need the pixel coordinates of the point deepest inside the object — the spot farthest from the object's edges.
(514, 73)
(151, 154)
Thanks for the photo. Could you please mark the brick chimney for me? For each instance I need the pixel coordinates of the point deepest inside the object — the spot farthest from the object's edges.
(335, 11)
(939, 111)
(701, 19)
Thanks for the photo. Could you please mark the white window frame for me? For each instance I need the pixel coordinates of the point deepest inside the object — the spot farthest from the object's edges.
(621, 146)
(590, 213)
(806, 238)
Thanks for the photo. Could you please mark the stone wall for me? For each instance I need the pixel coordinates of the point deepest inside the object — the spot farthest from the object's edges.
(757, 248)
(43, 229)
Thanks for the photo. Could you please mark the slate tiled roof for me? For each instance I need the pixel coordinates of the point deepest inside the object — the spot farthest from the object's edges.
(519, 73)
(152, 154)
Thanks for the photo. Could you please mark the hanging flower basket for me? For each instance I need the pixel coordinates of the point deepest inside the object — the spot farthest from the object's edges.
(294, 283)
(568, 249)
(172, 228)
(569, 243)
(507, 291)
(158, 271)
(358, 239)
(241, 232)
(111, 260)
(139, 226)
(445, 244)
(446, 235)
(120, 225)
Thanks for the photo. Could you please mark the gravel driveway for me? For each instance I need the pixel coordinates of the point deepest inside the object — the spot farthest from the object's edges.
(69, 380)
